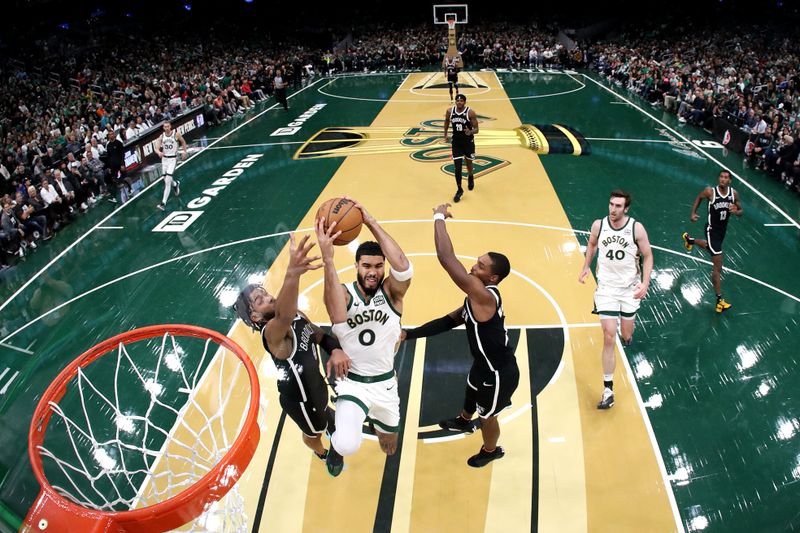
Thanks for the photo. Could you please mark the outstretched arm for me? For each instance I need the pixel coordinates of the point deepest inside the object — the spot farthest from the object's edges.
(338, 362)
(336, 296)
(277, 331)
(434, 327)
(591, 250)
(478, 294)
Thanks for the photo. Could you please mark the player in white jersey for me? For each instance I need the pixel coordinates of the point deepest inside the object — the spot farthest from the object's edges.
(167, 150)
(620, 240)
(366, 319)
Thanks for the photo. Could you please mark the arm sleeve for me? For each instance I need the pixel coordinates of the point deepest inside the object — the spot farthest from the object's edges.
(329, 343)
(434, 327)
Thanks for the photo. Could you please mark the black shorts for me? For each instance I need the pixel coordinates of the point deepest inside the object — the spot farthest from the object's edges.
(493, 390)
(310, 416)
(464, 148)
(452, 78)
(714, 237)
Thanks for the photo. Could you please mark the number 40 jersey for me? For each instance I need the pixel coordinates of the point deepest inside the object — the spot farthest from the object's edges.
(371, 333)
(618, 255)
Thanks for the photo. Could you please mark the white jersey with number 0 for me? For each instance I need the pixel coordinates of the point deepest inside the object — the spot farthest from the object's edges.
(618, 255)
(370, 334)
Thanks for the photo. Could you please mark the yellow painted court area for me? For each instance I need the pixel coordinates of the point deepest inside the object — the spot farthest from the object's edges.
(596, 470)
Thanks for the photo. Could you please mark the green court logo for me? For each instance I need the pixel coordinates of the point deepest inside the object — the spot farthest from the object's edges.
(428, 136)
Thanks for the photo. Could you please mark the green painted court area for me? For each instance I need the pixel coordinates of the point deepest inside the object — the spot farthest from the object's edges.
(721, 391)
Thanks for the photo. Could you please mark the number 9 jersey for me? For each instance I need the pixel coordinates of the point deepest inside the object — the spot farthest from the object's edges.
(371, 333)
(618, 255)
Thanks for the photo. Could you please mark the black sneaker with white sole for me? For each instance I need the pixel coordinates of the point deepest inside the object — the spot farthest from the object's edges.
(460, 425)
(483, 458)
(176, 185)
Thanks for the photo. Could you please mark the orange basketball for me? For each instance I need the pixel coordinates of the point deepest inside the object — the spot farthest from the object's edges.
(347, 216)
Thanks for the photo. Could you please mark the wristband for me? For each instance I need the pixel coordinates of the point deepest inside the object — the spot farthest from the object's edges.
(438, 216)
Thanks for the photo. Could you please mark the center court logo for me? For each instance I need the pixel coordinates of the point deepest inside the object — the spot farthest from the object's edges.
(428, 137)
(178, 221)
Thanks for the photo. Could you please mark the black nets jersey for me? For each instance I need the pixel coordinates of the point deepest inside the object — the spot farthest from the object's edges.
(460, 122)
(719, 210)
(298, 375)
(488, 341)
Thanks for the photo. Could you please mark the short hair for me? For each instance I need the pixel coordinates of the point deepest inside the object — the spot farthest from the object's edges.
(619, 193)
(501, 266)
(461, 96)
(369, 248)
(242, 306)
(728, 172)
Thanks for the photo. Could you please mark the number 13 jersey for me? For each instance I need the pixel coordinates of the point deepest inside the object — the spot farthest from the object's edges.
(618, 255)
(371, 333)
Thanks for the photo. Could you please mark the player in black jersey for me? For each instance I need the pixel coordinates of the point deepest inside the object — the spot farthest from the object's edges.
(465, 126)
(290, 339)
(494, 375)
(450, 65)
(722, 201)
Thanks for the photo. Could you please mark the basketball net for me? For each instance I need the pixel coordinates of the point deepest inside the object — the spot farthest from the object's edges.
(132, 431)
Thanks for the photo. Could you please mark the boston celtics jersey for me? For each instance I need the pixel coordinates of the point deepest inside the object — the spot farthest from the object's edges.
(169, 144)
(370, 334)
(618, 255)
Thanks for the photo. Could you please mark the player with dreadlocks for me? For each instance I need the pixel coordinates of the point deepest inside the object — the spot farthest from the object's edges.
(290, 338)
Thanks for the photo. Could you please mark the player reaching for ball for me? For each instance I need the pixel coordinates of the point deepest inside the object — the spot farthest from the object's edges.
(366, 320)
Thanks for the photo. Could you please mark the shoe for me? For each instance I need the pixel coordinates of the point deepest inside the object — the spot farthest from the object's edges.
(48, 236)
(686, 243)
(722, 305)
(177, 186)
(460, 425)
(32, 245)
(161, 206)
(334, 462)
(83, 206)
(459, 194)
(112, 199)
(470, 182)
(607, 401)
(483, 458)
(322, 457)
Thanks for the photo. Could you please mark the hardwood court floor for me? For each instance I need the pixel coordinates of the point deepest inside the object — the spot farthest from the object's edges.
(704, 432)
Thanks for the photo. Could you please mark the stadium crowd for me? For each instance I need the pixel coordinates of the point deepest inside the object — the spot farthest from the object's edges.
(65, 112)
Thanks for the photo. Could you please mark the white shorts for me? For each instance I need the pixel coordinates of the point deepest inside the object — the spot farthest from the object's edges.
(379, 400)
(168, 165)
(615, 302)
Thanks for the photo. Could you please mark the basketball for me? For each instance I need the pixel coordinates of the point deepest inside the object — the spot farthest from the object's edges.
(347, 216)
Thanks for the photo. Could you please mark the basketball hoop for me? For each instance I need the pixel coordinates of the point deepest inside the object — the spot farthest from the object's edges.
(451, 21)
(152, 447)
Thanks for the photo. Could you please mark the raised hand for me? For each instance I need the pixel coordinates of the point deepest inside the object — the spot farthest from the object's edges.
(443, 209)
(299, 261)
(325, 238)
(368, 219)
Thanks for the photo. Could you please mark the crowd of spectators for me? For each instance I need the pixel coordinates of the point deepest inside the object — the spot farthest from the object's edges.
(746, 75)
(66, 109)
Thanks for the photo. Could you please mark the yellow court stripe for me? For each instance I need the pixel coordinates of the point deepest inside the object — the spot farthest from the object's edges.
(511, 490)
(401, 519)
(562, 478)
(576, 146)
